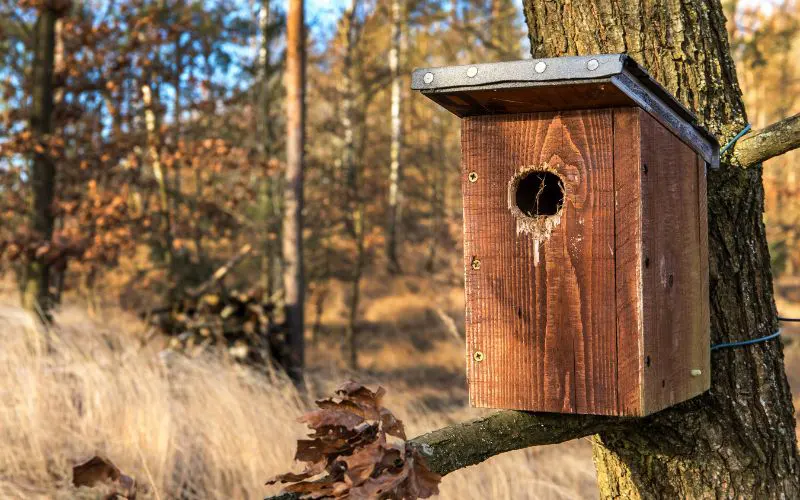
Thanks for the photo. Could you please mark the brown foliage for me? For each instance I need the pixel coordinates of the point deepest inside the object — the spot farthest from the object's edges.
(358, 450)
(99, 470)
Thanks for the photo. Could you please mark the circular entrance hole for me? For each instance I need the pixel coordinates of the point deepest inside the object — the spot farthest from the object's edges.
(539, 194)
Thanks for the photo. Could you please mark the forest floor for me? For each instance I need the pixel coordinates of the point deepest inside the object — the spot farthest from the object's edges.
(204, 428)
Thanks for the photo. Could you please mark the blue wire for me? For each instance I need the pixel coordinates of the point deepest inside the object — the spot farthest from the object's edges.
(730, 143)
(746, 342)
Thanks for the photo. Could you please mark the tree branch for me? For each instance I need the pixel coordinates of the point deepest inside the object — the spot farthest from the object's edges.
(778, 138)
(469, 443)
(461, 445)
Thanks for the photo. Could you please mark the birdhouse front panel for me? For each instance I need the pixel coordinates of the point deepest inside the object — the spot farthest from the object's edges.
(583, 260)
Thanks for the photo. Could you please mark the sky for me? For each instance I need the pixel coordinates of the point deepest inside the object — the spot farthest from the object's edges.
(324, 13)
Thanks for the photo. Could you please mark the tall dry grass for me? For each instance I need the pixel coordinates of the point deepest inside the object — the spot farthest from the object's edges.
(195, 428)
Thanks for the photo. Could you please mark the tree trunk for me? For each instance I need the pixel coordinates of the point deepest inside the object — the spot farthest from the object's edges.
(154, 157)
(292, 236)
(36, 283)
(351, 168)
(177, 123)
(264, 130)
(739, 438)
(397, 139)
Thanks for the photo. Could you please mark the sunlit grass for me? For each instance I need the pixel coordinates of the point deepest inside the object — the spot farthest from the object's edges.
(197, 428)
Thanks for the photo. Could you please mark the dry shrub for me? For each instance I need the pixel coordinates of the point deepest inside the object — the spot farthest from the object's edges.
(196, 428)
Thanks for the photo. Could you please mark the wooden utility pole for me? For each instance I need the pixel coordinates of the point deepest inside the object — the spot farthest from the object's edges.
(293, 283)
(36, 282)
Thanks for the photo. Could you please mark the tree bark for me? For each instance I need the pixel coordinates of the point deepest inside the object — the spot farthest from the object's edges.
(739, 438)
(397, 138)
(292, 235)
(36, 282)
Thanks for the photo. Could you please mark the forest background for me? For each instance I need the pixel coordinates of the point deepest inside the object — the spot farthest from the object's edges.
(168, 147)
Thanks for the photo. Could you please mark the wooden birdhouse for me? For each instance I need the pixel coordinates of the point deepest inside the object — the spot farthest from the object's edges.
(585, 235)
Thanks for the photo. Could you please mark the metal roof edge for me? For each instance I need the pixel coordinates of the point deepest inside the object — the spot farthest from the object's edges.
(620, 69)
(526, 70)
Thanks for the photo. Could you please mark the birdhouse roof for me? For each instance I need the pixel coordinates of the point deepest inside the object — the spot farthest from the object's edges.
(562, 83)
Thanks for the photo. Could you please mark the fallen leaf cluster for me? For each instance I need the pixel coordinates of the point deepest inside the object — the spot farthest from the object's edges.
(358, 450)
(99, 471)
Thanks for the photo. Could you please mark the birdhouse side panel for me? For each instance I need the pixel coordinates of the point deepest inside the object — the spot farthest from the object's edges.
(629, 259)
(540, 293)
(675, 269)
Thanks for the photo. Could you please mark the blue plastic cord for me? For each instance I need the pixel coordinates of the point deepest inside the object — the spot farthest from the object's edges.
(730, 143)
(746, 342)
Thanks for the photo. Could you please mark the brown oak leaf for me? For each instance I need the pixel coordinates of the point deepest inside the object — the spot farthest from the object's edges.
(357, 449)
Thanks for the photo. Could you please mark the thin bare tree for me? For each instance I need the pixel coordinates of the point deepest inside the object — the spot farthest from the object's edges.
(292, 237)
(395, 171)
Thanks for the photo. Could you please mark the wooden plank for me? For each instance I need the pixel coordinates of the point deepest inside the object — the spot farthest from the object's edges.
(629, 259)
(675, 338)
(547, 331)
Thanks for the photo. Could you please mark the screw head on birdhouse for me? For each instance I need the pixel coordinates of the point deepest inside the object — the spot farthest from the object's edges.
(584, 185)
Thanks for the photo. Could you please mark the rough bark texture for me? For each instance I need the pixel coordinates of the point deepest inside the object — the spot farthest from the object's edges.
(738, 439)
(292, 243)
(35, 287)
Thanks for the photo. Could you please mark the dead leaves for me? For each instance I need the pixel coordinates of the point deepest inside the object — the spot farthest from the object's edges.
(357, 450)
(100, 471)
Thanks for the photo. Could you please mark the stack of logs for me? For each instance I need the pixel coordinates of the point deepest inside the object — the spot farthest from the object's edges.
(243, 322)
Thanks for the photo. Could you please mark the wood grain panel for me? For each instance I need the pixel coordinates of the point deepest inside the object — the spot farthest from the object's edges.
(629, 259)
(547, 331)
(675, 326)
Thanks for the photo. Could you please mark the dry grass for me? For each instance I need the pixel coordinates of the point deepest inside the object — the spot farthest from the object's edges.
(202, 428)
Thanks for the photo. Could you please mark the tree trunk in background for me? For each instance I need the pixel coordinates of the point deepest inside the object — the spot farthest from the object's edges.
(292, 236)
(264, 142)
(36, 282)
(355, 224)
(397, 139)
(154, 157)
(739, 438)
(178, 111)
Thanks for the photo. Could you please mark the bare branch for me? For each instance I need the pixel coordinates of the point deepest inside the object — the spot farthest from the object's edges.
(461, 445)
(221, 272)
(469, 443)
(778, 138)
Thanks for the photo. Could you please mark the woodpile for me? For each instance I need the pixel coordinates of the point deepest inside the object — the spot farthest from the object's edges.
(240, 321)
(245, 323)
